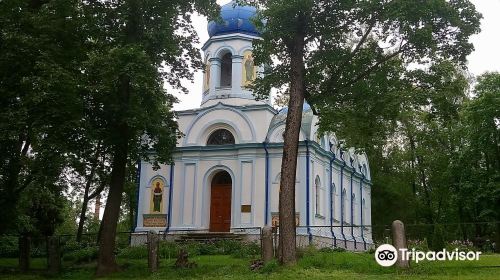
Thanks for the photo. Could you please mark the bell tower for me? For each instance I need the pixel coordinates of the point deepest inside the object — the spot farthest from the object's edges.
(229, 64)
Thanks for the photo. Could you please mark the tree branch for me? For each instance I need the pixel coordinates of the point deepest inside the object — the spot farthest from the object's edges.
(373, 67)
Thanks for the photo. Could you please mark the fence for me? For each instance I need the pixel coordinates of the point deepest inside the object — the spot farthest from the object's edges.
(463, 236)
(241, 241)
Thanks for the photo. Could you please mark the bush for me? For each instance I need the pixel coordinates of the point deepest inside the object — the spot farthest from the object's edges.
(246, 250)
(84, 255)
(419, 245)
(269, 267)
(306, 251)
(331, 250)
(169, 249)
(223, 247)
(463, 246)
(437, 243)
(133, 252)
(9, 246)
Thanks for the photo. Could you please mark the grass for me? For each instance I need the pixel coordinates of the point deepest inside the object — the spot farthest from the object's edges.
(313, 265)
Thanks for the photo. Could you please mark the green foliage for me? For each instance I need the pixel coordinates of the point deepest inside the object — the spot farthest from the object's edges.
(437, 243)
(347, 265)
(40, 58)
(82, 255)
(271, 266)
(169, 250)
(462, 246)
(330, 250)
(419, 245)
(134, 252)
(234, 248)
(352, 61)
(9, 246)
(309, 250)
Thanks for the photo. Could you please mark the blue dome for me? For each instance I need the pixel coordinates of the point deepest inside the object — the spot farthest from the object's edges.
(235, 19)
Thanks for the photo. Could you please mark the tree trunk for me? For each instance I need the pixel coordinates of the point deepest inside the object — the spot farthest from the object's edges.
(106, 262)
(107, 232)
(86, 197)
(81, 222)
(287, 234)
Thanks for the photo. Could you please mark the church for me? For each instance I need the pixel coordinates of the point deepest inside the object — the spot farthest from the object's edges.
(226, 171)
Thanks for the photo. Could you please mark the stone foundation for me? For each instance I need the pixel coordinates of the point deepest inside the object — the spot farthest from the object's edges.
(303, 240)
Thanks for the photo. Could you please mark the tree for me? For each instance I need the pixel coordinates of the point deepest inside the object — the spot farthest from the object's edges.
(88, 172)
(40, 54)
(319, 50)
(135, 46)
(477, 163)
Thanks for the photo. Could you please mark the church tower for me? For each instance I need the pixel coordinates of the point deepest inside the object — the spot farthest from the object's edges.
(229, 64)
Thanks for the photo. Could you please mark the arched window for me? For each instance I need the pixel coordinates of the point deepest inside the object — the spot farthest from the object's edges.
(353, 209)
(363, 210)
(344, 202)
(220, 137)
(226, 70)
(317, 184)
(333, 194)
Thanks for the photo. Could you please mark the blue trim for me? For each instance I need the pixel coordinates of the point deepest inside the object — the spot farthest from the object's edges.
(308, 204)
(352, 215)
(331, 202)
(138, 183)
(169, 215)
(266, 215)
(361, 212)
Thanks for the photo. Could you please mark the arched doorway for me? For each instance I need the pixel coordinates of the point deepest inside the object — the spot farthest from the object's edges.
(220, 202)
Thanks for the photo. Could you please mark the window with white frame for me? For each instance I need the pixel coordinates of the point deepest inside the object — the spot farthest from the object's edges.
(333, 193)
(220, 137)
(363, 213)
(317, 183)
(344, 203)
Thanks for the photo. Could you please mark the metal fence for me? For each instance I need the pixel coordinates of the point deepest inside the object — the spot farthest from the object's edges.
(463, 236)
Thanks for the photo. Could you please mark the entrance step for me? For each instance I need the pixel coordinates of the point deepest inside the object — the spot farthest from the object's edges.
(208, 237)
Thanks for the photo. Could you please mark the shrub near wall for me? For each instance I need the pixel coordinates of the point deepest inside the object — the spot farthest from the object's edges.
(171, 249)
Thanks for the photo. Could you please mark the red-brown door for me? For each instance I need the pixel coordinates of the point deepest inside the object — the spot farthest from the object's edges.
(220, 208)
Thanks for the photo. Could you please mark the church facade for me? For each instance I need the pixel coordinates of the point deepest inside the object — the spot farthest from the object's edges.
(226, 171)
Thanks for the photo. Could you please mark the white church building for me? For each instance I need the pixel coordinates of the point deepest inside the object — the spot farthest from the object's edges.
(226, 171)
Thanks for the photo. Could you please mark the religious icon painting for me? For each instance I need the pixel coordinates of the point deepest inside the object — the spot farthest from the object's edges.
(157, 188)
(249, 69)
(206, 82)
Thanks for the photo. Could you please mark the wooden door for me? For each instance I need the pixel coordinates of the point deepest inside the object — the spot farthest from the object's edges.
(220, 208)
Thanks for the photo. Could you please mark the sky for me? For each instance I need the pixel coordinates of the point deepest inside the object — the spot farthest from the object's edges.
(486, 56)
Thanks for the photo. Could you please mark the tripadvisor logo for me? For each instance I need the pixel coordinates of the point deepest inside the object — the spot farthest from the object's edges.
(387, 255)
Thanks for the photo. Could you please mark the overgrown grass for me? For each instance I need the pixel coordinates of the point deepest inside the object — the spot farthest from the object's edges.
(312, 265)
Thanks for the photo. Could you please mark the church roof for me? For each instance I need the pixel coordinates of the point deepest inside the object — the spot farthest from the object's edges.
(235, 19)
(307, 118)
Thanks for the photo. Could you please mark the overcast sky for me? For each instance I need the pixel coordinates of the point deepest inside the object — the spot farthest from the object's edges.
(486, 56)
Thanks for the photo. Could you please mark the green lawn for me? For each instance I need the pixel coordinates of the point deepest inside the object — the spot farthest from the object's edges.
(319, 265)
